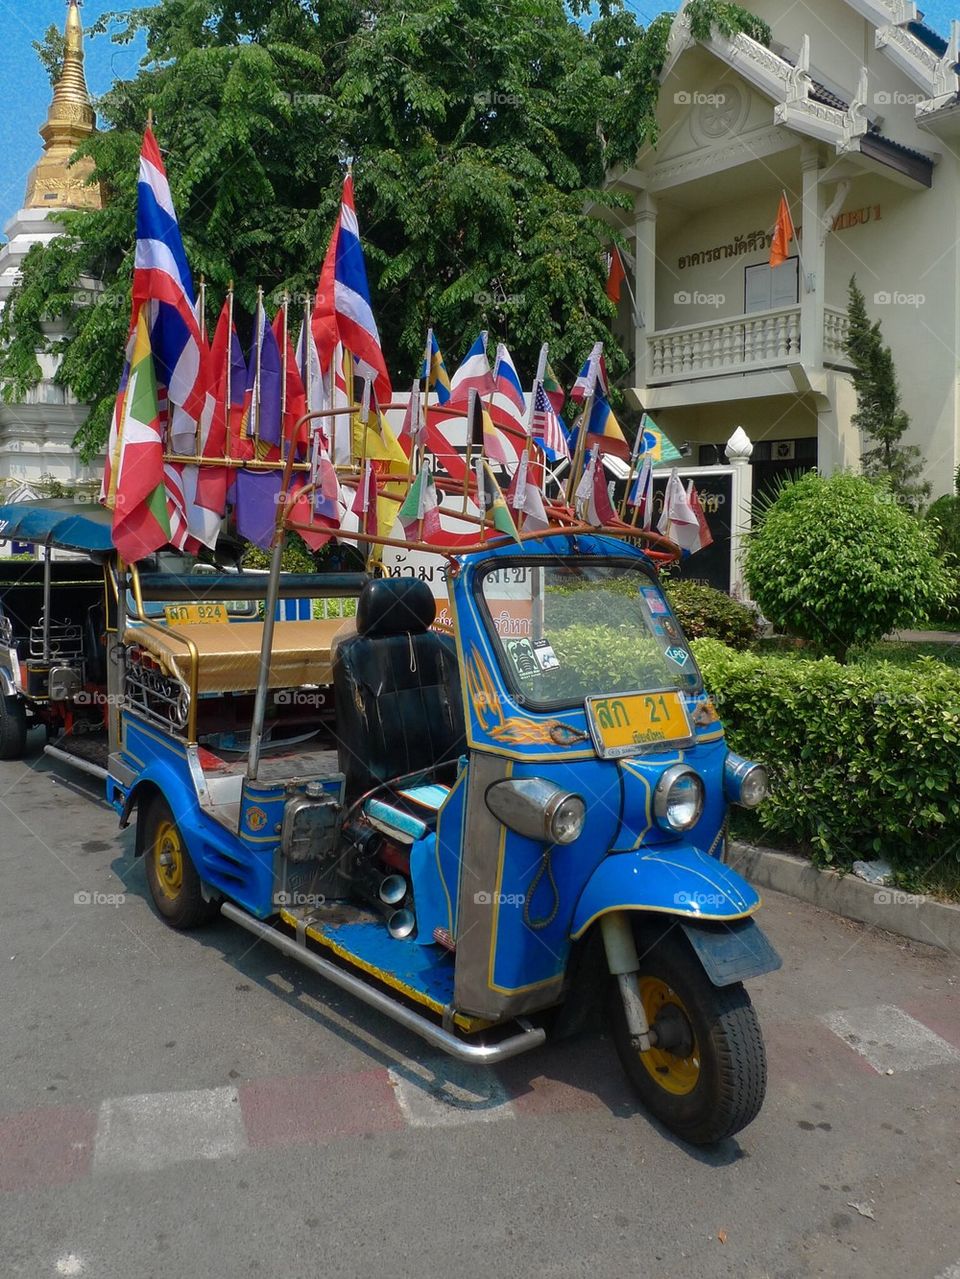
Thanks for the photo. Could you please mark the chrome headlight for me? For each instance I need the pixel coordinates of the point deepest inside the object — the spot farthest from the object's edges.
(537, 809)
(745, 783)
(678, 798)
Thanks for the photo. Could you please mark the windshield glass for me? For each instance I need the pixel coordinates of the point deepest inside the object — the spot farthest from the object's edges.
(567, 630)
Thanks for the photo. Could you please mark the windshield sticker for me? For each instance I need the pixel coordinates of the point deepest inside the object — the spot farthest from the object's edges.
(669, 628)
(677, 654)
(521, 654)
(654, 600)
(546, 657)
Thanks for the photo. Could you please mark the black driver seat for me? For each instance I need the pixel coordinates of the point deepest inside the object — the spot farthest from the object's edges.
(396, 690)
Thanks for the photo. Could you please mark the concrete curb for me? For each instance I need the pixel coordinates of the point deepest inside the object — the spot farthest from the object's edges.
(920, 918)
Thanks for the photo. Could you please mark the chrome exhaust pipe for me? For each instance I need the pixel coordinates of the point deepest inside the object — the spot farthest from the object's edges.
(401, 924)
(392, 890)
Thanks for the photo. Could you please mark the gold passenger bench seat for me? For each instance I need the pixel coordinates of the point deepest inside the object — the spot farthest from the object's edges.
(229, 652)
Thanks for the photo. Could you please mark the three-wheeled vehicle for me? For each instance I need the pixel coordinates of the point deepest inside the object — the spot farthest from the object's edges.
(485, 834)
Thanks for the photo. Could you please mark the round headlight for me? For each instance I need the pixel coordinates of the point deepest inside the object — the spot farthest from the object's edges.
(745, 783)
(678, 798)
(567, 818)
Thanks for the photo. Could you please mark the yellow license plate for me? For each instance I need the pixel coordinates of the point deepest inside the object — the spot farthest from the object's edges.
(634, 722)
(182, 614)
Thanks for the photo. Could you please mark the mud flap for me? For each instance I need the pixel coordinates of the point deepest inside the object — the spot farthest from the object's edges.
(732, 952)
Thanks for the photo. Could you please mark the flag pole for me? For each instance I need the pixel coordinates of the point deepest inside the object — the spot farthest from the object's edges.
(256, 378)
(202, 322)
(283, 368)
(471, 402)
(635, 454)
(228, 403)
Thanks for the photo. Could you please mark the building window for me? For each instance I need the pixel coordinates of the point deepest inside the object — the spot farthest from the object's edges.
(767, 288)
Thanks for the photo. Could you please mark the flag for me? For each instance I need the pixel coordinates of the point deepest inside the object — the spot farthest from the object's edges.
(593, 500)
(555, 392)
(592, 376)
(141, 523)
(294, 392)
(111, 469)
(412, 430)
(525, 497)
(548, 430)
(654, 445)
(782, 235)
(162, 283)
(641, 494)
(261, 410)
(343, 312)
(473, 374)
(677, 521)
(365, 500)
(615, 275)
(490, 498)
(705, 537)
(506, 381)
(255, 497)
(434, 370)
(420, 512)
(482, 435)
(603, 429)
(308, 362)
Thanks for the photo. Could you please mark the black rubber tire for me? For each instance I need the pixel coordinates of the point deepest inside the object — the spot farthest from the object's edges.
(733, 1064)
(187, 907)
(13, 728)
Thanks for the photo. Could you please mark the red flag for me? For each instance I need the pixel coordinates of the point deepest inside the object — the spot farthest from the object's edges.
(295, 404)
(693, 501)
(365, 500)
(782, 235)
(615, 275)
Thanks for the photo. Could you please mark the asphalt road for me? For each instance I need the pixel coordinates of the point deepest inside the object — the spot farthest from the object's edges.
(192, 1105)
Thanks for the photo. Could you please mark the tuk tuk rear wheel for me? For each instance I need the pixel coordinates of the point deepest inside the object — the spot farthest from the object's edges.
(13, 728)
(171, 875)
(710, 1082)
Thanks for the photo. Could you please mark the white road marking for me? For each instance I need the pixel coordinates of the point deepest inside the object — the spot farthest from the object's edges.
(890, 1039)
(448, 1093)
(69, 1264)
(158, 1129)
(951, 1272)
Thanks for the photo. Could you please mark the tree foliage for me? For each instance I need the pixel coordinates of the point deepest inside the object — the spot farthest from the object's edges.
(840, 562)
(480, 132)
(879, 414)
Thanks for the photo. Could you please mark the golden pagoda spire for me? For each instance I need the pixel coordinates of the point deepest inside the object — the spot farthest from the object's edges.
(54, 181)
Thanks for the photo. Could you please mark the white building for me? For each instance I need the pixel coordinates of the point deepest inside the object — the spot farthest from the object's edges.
(854, 112)
(36, 434)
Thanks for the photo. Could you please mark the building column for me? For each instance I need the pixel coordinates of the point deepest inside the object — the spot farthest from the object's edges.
(814, 256)
(645, 275)
(738, 450)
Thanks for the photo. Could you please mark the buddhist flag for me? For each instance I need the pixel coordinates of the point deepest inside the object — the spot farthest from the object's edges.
(141, 523)
(782, 235)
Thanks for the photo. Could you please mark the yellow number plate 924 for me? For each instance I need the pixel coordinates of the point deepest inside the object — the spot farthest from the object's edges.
(182, 614)
(631, 723)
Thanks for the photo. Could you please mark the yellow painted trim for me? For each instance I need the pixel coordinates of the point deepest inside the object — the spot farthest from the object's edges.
(663, 910)
(469, 1024)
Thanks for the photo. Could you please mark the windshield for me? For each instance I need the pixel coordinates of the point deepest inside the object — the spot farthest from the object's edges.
(568, 630)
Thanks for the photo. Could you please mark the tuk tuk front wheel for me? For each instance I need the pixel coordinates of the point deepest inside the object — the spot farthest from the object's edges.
(13, 728)
(171, 875)
(707, 1078)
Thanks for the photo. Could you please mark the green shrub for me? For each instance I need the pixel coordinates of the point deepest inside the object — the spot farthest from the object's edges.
(707, 613)
(839, 562)
(863, 760)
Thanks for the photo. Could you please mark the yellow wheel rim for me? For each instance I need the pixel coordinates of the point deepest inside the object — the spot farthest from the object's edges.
(677, 1075)
(168, 859)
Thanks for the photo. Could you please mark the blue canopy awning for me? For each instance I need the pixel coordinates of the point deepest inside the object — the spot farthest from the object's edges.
(69, 526)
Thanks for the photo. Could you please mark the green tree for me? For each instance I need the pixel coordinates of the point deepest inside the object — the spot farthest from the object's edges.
(879, 414)
(840, 562)
(479, 131)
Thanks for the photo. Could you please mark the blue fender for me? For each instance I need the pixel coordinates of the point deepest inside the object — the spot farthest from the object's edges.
(673, 879)
(169, 782)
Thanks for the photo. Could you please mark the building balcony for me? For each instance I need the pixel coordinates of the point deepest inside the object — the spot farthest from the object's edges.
(739, 344)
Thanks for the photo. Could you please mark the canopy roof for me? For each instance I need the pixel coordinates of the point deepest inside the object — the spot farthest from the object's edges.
(69, 526)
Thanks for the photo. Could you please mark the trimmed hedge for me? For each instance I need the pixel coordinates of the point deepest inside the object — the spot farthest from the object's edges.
(703, 611)
(864, 760)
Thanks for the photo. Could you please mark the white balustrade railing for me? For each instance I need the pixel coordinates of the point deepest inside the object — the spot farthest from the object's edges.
(836, 331)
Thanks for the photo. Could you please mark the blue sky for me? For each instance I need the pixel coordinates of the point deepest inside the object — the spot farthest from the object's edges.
(25, 90)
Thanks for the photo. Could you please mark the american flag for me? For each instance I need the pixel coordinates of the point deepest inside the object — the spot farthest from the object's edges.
(547, 429)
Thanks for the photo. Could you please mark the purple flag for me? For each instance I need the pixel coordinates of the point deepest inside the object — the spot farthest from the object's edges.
(256, 494)
(265, 417)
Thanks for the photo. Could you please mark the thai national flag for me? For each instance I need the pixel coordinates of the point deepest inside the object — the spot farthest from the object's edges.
(343, 312)
(162, 282)
(473, 375)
